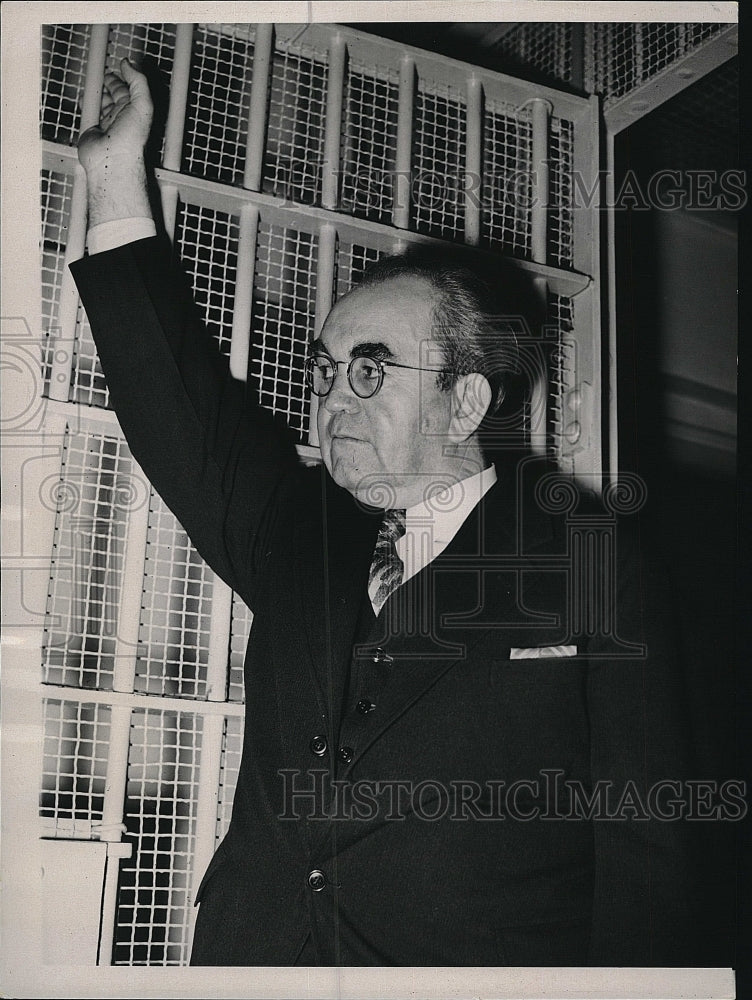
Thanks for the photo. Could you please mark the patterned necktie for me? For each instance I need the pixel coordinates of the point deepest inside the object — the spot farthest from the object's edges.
(386, 568)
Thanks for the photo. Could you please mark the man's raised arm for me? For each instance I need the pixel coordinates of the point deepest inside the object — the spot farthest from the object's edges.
(218, 463)
(112, 154)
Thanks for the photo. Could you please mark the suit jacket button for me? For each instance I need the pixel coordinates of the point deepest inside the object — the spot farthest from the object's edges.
(318, 745)
(364, 707)
(316, 880)
(345, 754)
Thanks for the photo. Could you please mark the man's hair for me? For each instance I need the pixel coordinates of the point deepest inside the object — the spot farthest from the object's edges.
(480, 311)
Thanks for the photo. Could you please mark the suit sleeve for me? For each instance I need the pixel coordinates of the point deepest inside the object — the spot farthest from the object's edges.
(645, 909)
(218, 464)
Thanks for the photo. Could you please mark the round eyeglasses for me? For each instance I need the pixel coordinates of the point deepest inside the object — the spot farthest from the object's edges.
(365, 375)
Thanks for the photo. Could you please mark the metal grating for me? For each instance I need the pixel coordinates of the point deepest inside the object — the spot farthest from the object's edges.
(560, 221)
(151, 47)
(56, 193)
(439, 161)
(88, 383)
(625, 55)
(232, 747)
(64, 57)
(369, 142)
(175, 611)
(240, 630)
(143, 44)
(282, 324)
(152, 921)
(505, 215)
(76, 749)
(208, 242)
(560, 320)
(219, 93)
(352, 260)
(546, 47)
(92, 500)
(295, 131)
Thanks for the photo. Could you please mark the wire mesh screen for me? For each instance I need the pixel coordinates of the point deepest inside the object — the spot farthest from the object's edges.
(240, 630)
(175, 611)
(626, 54)
(369, 142)
(64, 57)
(507, 166)
(352, 260)
(545, 47)
(141, 42)
(76, 748)
(282, 323)
(560, 221)
(295, 134)
(92, 499)
(562, 360)
(56, 192)
(152, 925)
(88, 383)
(208, 242)
(439, 133)
(151, 47)
(219, 93)
(232, 746)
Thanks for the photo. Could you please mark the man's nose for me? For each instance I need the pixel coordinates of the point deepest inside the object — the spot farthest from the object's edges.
(341, 397)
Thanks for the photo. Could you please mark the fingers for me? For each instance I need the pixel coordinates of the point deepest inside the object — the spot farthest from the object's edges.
(137, 82)
(114, 92)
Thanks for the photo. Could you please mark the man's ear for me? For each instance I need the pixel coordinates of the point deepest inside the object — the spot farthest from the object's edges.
(471, 398)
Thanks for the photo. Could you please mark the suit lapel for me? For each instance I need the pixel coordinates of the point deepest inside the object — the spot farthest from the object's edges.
(334, 550)
(431, 624)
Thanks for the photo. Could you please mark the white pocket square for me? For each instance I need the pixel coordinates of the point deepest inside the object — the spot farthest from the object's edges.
(535, 652)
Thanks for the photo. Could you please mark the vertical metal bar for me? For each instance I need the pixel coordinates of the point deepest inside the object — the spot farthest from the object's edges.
(589, 84)
(263, 49)
(612, 446)
(129, 616)
(115, 853)
(241, 318)
(174, 132)
(62, 346)
(219, 642)
(173, 144)
(539, 389)
(117, 770)
(207, 799)
(333, 127)
(179, 84)
(324, 298)
(639, 54)
(577, 54)
(541, 111)
(403, 164)
(91, 101)
(473, 160)
(540, 193)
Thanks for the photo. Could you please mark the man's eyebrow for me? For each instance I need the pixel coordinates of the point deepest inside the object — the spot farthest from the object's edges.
(370, 349)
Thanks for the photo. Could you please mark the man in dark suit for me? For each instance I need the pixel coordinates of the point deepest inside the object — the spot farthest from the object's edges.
(460, 692)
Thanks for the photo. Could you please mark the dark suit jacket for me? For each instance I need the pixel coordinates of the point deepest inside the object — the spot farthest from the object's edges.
(456, 717)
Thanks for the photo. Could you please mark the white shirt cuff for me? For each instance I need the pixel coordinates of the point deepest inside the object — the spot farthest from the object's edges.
(108, 235)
